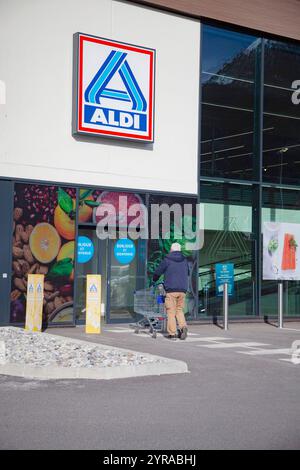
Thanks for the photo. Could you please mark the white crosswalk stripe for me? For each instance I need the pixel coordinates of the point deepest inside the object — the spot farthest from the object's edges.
(123, 330)
(209, 339)
(290, 361)
(266, 352)
(189, 339)
(194, 340)
(231, 345)
(250, 348)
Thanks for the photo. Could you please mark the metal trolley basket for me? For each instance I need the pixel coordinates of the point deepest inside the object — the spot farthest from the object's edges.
(149, 303)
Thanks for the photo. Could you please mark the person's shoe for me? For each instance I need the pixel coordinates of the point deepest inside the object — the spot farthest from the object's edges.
(183, 334)
(171, 337)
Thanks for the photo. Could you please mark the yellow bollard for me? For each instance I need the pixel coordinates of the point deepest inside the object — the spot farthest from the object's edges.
(34, 302)
(93, 303)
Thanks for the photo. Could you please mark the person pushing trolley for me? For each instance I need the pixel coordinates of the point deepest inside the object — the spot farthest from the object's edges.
(175, 269)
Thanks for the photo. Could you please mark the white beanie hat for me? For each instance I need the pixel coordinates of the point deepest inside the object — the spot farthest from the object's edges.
(175, 247)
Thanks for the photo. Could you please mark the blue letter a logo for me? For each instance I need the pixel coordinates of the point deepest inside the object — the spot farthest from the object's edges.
(97, 89)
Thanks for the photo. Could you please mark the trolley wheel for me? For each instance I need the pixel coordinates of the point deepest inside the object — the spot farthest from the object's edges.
(154, 335)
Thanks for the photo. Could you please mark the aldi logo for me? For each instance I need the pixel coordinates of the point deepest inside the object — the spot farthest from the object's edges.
(113, 89)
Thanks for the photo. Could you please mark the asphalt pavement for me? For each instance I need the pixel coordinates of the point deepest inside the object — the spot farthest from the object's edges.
(242, 392)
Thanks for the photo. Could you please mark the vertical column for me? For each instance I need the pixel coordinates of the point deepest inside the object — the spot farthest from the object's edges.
(280, 305)
(199, 168)
(258, 171)
(6, 210)
(257, 247)
(75, 286)
(225, 306)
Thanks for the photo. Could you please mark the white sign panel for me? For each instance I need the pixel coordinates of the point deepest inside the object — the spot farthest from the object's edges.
(113, 89)
(281, 245)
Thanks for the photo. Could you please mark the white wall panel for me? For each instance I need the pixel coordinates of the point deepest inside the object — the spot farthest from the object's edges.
(36, 41)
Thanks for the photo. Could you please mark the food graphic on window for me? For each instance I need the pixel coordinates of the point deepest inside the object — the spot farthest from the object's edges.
(272, 245)
(289, 252)
(44, 243)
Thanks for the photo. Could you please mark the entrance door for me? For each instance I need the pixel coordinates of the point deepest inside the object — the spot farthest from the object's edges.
(93, 262)
(124, 279)
(119, 279)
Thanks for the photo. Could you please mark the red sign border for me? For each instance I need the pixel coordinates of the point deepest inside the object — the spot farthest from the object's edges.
(107, 42)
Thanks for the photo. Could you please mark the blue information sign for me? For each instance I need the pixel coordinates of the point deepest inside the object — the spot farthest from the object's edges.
(85, 250)
(224, 275)
(124, 250)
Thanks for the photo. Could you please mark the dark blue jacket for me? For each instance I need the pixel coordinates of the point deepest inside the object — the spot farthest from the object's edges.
(176, 272)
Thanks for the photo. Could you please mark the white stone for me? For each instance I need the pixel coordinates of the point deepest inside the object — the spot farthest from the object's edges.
(42, 349)
(2, 353)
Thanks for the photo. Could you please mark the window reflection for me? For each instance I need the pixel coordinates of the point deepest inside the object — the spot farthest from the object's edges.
(227, 142)
(281, 144)
(282, 63)
(228, 91)
(228, 53)
(228, 239)
(280, 205)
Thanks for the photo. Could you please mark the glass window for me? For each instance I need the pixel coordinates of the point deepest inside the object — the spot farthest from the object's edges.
(175, 228)
(228, 238)
(43, 243)
(95, 263)
(125, 279)
(282, 63)
(281, 134)
(282, 206)
(226, 142)
(228, 90)
(89, 200)
(116, 203)
(124, 211)
(228, 53)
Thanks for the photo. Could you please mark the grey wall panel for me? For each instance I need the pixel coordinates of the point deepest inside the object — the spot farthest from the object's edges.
(6, 211)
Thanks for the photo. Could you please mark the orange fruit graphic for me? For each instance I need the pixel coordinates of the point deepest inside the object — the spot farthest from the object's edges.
(111, 210)
(64, 224)
(66, 251)
(44, 242)
(85, 212)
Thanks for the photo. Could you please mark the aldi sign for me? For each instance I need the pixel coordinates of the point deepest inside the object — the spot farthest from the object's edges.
(113, 89)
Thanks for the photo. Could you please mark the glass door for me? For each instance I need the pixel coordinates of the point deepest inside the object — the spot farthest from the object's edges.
(91, 260)
(229, 238)
(125, 277)
(120, 275)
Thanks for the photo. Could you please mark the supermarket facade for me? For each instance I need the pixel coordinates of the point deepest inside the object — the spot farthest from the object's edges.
(149, 103)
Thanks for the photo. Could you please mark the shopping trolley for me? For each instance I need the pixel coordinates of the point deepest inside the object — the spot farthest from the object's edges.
(150, 303)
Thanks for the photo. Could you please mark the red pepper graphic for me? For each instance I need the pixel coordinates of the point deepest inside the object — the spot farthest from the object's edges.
(289, 252)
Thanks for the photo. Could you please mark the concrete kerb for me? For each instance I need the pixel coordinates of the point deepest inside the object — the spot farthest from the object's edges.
(163, 367)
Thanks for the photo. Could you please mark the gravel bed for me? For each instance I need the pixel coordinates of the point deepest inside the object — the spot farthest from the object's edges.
(42, 349)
